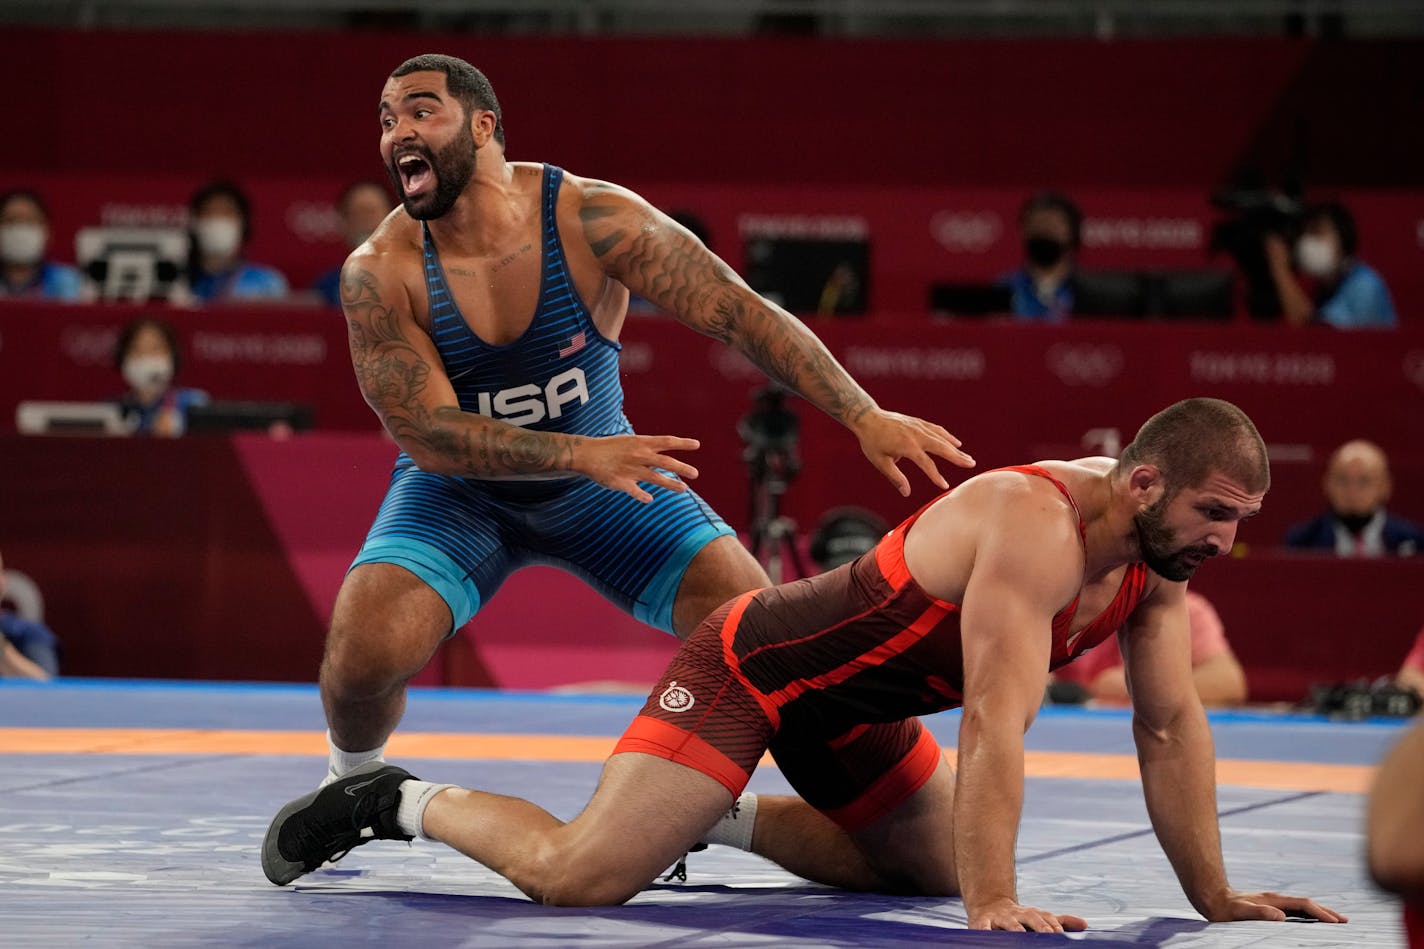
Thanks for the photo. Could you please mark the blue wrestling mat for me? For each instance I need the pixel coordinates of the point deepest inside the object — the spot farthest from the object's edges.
(133, 814)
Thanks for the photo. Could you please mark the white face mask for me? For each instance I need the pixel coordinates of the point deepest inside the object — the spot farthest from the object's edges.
(22, 243)
(1316, 255)
(218, 236)
(148, 373)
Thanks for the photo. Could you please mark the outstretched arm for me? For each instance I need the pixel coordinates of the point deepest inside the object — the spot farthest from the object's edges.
(1178, 764)
(404, 381)
(1020, 579)
(663, 262)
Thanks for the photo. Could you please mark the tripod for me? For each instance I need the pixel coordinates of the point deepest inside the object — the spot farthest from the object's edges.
(773, 534)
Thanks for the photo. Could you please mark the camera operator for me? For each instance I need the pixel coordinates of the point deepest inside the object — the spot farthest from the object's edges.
(1347, 293)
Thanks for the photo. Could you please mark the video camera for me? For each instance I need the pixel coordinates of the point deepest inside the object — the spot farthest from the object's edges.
(1255, 213)
(770, 432)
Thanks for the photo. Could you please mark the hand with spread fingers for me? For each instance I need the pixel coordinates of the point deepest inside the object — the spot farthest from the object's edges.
(627, 462)
(887, 438)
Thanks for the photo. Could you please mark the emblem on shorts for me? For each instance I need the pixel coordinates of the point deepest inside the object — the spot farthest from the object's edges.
(675, 698)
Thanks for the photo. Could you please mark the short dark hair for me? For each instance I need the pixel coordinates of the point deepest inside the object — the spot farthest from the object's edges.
(1194, 438)
(466, 83)
(130, 332)
(25, 194)
(1340, 218)
(1055, 201)
(224, 188)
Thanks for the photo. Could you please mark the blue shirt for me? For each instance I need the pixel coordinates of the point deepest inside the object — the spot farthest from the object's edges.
(52, 282)
(1360, 301)
(145, 417)
(1027, 305)
(244, 282)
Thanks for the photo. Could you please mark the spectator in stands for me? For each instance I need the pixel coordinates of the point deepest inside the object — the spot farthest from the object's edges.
(1411, 673)
(1347, 293)
(362, 205)
(24, 238)
(1219, 677)
(220, 218)
(1051, 228)
(1357, 524)
(28, 649)
(147, 355)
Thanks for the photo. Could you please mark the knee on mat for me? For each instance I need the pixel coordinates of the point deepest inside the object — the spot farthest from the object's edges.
(561, 880)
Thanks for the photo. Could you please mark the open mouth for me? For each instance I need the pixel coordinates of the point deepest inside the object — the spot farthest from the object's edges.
(415, 173)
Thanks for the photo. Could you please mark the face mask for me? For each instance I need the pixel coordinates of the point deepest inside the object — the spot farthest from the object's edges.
(218, 236)
(148, 372)
(22, 243)
(1316, 255)
(1044, 251)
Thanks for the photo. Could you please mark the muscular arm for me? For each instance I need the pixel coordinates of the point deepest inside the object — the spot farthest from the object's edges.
(662, 262)
(1174, 747)
(1024, 571)
(404, 381)
(1178, 764)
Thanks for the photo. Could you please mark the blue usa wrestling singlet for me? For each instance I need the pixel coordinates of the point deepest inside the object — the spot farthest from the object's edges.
(560, 376)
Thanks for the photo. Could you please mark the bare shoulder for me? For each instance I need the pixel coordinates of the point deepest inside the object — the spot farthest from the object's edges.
(1016, 495)
(1000, 527)
(385, 266)
(1004, 509)
(595, 189)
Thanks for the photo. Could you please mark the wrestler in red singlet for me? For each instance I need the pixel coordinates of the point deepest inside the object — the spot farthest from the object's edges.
(829, 673)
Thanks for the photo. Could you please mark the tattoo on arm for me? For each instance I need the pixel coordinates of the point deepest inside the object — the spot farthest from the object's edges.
(394, 376)
(679, 274)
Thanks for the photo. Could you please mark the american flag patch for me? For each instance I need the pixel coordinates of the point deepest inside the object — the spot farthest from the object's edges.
(575, 344)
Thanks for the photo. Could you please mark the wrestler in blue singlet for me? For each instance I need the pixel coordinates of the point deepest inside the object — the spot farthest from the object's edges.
(464, 536)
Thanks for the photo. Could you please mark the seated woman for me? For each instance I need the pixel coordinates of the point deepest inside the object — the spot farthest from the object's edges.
(148, 357)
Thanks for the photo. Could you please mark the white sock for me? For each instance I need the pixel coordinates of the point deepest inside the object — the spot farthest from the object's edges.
(339, 762)
(735, 827)
(415, 796)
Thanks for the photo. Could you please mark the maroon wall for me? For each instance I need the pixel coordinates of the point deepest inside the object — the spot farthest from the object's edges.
(933, 144)
(1067, 112)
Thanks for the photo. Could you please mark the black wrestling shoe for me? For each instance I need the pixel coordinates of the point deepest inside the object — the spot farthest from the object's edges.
(330, 822)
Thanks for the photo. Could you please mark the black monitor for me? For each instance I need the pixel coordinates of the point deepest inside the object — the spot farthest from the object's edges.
(246, 416)
(1196, 294)
(971, 299)
(1110, 293)
(811, 275)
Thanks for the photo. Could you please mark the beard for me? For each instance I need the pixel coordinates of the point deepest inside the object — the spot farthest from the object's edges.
(1157, 544)
(453, 166)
